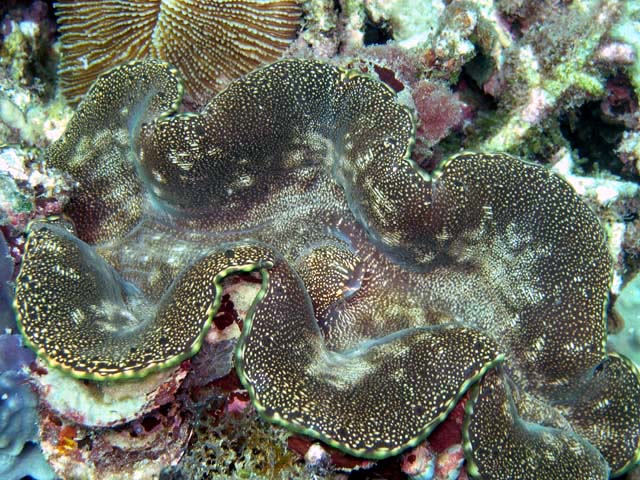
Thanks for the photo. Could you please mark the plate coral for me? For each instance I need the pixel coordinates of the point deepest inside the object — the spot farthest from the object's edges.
(212, 42)
(386, 292)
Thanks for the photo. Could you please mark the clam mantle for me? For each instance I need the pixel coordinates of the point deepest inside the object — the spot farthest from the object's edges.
(382, 285)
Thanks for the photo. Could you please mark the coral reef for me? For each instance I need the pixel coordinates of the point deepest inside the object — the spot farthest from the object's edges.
(237, 445)
(137, 449)
(366, 285)
(522, 68)
(30, 114)
(554, 82)
(29, 189)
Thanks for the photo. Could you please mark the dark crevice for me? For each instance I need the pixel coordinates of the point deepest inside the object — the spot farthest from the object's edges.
(470, 91)
(376, 33)
(337, 7)
(479, 68)
(593, 138)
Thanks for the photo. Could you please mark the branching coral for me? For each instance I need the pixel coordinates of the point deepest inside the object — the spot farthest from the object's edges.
(386, 292)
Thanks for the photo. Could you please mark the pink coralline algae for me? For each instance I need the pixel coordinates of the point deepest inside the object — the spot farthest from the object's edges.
(438, 111)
